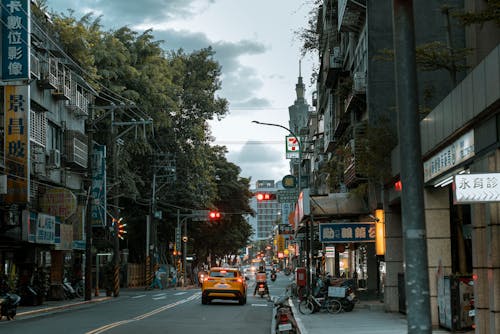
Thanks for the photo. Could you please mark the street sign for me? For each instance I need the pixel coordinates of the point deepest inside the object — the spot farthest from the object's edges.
(287, 196)
(178, 237)
(289, 182)
(476, 188)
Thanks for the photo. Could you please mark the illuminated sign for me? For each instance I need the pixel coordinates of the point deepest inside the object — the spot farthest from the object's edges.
(476, 188)
(346, 232)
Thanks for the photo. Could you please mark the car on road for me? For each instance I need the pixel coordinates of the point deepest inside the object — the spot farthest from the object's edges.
(224, 283)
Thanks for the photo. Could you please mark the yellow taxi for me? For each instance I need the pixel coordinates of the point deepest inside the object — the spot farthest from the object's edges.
(224, 283)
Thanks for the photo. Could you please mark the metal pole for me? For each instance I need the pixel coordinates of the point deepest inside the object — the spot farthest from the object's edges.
(308, 243)
(412, 199)
(116, 273)
(184, 251)
(88, 216)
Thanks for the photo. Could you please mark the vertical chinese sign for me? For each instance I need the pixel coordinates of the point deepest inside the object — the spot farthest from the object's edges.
(17, 143)
(98, 191)
(15, 71)
(15, 40)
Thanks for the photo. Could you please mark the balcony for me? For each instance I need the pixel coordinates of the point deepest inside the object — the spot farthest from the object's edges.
(335, 61)
(76, 149)
(34, 67)
(78, 103)
(351, 15)
(49, 76)
(63, 90)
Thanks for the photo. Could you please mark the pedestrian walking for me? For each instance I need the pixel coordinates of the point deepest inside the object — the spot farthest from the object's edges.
(157, 280)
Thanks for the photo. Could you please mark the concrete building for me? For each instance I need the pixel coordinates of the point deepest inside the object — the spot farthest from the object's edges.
(351, 147)
(268, 211)
(43, 157)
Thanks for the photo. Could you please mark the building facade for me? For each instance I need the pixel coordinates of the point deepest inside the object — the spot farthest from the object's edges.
(45, 104)
(352, 148)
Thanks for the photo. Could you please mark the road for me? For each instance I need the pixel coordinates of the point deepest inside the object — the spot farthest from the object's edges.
(159, 311)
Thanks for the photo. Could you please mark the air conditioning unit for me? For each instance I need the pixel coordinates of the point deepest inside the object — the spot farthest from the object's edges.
(54, 158)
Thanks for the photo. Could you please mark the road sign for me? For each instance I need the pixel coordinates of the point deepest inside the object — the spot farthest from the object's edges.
(477, 188)
(289, 182)
(287, 196)
(200, 215)
(346, 232)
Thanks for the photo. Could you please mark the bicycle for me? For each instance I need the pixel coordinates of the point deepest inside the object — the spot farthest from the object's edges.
(313, 304)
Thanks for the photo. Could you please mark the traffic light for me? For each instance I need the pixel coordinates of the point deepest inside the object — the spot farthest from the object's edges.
(214, 215)
(120, 228)
(265, 197)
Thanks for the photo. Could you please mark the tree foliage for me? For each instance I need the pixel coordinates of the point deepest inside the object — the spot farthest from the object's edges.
(177, 91)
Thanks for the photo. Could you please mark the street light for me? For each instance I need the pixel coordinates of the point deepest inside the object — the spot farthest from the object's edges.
(308, 242)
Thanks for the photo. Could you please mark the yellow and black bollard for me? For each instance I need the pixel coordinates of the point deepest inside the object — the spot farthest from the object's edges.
(116, 281)
(149, 276)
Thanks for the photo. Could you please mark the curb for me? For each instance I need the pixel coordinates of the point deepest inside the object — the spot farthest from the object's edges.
(302, 329)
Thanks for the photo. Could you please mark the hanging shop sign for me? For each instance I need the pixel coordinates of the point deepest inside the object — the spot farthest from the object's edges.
(476, 188)
(346, 232)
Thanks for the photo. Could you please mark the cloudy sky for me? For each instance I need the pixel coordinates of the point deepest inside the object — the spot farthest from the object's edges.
(259, 53)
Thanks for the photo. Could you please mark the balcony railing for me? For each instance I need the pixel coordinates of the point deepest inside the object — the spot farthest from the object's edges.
(351, 15)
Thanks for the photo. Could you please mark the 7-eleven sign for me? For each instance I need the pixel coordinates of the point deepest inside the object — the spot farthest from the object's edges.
(292, 147)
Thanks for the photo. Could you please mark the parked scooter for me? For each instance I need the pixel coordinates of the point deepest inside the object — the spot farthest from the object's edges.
(285, 320)
(69, 292)
(8, 302)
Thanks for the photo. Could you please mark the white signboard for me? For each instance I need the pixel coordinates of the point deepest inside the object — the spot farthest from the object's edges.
(459, 151)
(477, 188)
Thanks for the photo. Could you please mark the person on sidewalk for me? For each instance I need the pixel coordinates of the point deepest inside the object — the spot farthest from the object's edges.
(157, 280)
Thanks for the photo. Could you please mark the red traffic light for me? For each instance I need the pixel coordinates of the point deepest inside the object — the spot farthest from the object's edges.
(214, 215)
(265, 196)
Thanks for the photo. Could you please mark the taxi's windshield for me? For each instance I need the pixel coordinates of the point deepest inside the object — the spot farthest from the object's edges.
(223, 273)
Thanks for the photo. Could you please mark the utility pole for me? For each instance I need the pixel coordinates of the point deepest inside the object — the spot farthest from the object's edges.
(116, 211)
(90, 200)
(412, 199)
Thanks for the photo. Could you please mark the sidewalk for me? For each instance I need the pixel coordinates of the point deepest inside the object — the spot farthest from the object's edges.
(368, 317)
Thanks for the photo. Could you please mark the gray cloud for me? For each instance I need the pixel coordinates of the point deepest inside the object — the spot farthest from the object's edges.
(119, 13)
(259, 160)
(239, 82)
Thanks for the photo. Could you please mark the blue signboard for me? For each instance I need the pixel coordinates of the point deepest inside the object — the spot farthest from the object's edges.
(15, 40)
(98, 191)
(346, 232)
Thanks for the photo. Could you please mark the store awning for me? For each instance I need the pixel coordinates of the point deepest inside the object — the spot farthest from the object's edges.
(338, 205)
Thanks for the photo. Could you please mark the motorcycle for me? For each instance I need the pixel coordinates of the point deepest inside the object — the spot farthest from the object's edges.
(285, 321)
(69, 292)
(262, 289)
(273, 277)
(8, 305)
(288, 271)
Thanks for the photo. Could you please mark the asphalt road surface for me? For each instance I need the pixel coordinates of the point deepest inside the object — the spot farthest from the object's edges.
(159, 311)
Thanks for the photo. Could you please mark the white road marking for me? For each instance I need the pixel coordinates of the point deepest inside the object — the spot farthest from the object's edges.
(259, 304)
(179, 293)
(139, 296)
(158, 298)
(159, 294)
(107, 327)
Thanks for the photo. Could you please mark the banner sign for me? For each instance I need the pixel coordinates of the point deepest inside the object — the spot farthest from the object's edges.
(15, 40)
(98, 191)
(17, 130)
(346, 232)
